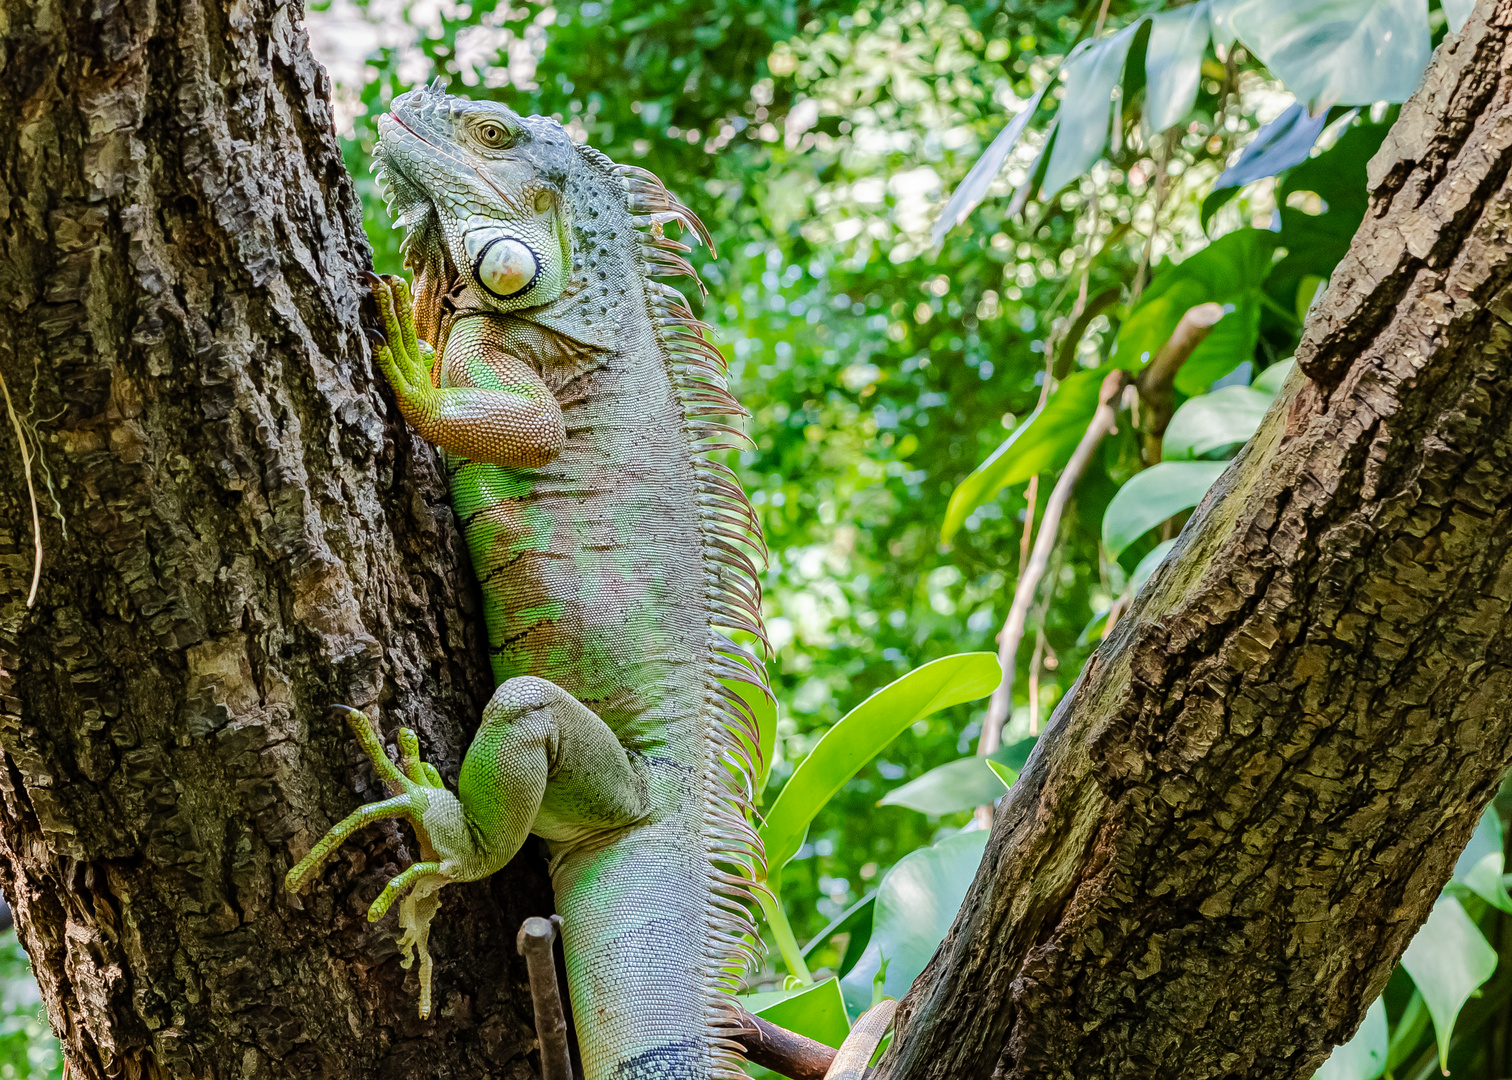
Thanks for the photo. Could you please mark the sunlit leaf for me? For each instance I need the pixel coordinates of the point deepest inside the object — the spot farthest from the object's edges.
(972, 190)
(1220, 13)
(862, 734)
(1339, 52)
(961, 784)
(1042, 443)
(1482, 863)
(916, 903)
(1215, 424)
(1448, 959)
(1150, 497)
(1270, 380)
(1364, 1056)
(1173, 64)
(1457, 13)
(1005, 773)
(1279, 145)
(1091, 77)
(1229, 270)
(1149, 564)
(817, 1011)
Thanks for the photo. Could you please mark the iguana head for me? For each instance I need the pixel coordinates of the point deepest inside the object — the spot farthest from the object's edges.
(480, 192)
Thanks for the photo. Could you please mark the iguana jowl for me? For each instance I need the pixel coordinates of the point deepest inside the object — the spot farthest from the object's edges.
(576, 399)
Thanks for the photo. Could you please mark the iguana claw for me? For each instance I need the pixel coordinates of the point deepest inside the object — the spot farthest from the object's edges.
(418, 795)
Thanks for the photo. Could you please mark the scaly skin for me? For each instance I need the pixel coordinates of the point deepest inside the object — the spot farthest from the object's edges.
(572, 396)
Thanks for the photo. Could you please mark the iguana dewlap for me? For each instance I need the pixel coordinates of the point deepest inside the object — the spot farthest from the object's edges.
(576, 400)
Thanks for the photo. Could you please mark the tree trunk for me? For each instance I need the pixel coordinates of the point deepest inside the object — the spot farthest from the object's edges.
(237, 531)
(1246, 808)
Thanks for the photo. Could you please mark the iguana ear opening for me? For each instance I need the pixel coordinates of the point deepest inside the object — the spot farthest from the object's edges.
(523, 262)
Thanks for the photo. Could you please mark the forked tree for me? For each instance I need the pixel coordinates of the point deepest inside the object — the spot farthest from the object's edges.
(1232, 829)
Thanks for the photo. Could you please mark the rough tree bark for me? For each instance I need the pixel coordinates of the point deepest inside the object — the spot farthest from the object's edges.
(237, 532)
(1237, 821)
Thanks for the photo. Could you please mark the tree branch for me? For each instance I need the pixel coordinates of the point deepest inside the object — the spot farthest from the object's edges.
(1247, 805)
(1101, 423)
(1157, 382)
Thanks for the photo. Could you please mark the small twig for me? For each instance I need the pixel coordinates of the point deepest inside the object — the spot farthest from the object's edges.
(782, 1051)
(1102, 15)
(1089, 311)
(1034, 674)
(1157, 382)
(1013, 627)
(1161, 158)
(534, 943)
(1027, 537)
(31, 491)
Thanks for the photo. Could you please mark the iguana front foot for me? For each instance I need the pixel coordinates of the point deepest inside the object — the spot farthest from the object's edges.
(447, 848)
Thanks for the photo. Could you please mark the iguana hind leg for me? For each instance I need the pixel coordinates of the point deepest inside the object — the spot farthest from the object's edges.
(541, 761)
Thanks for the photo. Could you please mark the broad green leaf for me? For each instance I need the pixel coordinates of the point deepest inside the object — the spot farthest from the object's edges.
(817, 1011)
(1216, 424)
(1457, 13)
(1150, 497)
(1448, 960)
(1229, 343)
(1220, 13)
(1316, 242)
(1044, 442)
(1271, 379)
(1085, 112)
(916, 903)
(1173, 64)
(972, 190)
(856, 921)
(1364, 1056)
(1339, 52)
(1148, 565)
(1229, 270)
(1004, 773)
(961, 784)
(1407, 1031)
(862, 734)
(1279, 145)
(1482, 863)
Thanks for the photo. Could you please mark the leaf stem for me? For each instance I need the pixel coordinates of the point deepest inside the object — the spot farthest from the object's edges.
(782, 930)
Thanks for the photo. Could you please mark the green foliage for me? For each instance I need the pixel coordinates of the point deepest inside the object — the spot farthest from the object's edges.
(1448, 960)
(817, 1011)
(862, 734)
(1216, 424)
(1162, 491)
(27, 1046)
(962, 784)
(884, 359)
(1339, 52)
(916, 903)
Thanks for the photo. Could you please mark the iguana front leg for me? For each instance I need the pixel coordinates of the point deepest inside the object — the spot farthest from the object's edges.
(541, 761)
(503, 415)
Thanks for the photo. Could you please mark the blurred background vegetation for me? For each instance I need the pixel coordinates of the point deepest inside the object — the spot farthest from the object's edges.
(819, 142)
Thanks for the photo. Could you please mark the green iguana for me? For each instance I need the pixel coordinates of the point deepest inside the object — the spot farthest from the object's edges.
(576, 400)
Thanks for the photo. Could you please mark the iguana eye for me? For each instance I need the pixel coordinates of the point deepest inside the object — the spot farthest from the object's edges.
(492, 135)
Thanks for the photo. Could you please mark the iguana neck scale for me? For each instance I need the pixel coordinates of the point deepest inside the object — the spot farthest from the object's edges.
(578, 401)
